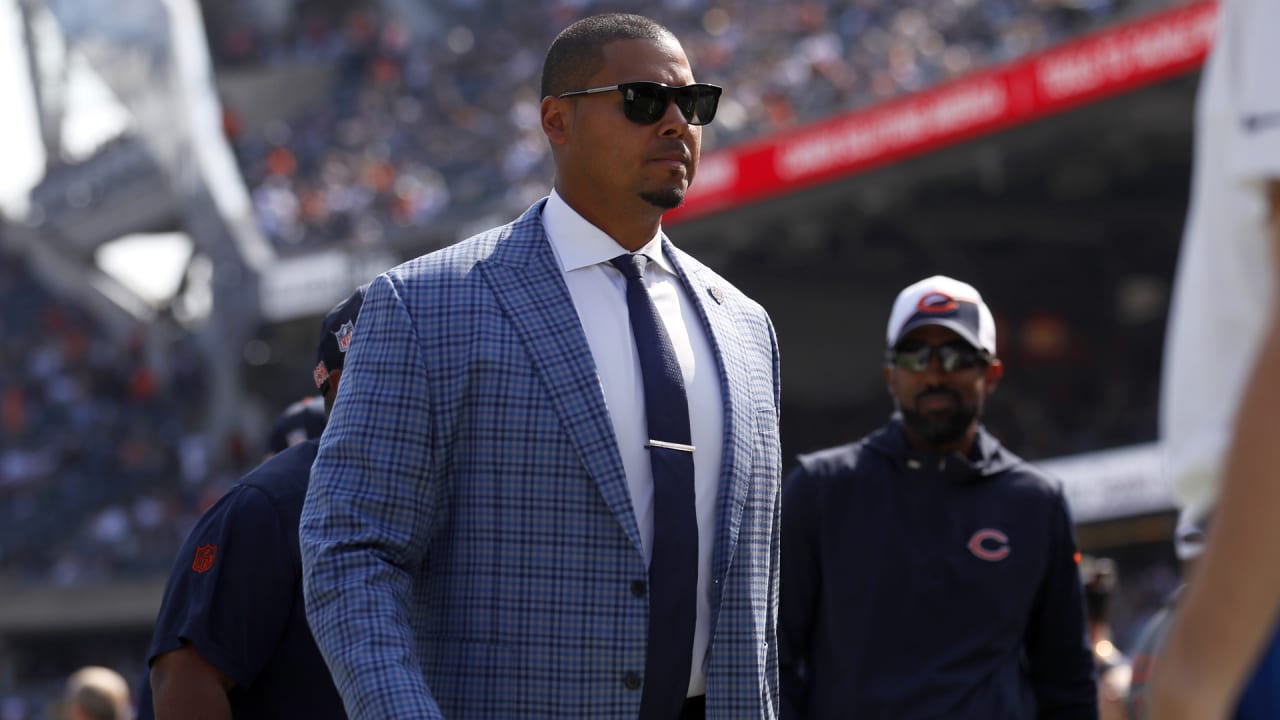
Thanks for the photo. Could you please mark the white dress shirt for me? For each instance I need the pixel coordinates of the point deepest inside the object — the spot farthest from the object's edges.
(599, 295)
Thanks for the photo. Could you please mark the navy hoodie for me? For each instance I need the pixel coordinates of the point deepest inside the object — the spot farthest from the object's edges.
(926, 586)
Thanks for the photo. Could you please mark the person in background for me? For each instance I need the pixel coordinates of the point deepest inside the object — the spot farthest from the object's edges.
(1114, 669)
(302, 420)
(928, 572)
(1220, 403)
(231, 639)
(1144, 653)
(96, 693)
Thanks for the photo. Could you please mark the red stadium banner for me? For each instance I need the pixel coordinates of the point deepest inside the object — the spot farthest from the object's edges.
(1116, 60)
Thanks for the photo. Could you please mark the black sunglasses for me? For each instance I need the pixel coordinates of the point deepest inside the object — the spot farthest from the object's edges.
(645, 102)
(953, 356)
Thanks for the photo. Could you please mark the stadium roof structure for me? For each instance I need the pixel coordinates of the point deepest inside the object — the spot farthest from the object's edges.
(166, 172)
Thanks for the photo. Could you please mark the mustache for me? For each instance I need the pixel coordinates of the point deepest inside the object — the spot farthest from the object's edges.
(673, 149)
(939, 391)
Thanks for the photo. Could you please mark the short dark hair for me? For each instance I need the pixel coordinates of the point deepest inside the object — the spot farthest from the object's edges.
(577, 53)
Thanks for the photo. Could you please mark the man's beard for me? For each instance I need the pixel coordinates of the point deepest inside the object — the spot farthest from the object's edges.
(668, 199)
(938, 428)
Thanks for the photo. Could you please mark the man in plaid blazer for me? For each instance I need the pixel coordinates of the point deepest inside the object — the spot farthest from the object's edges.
(477, 530)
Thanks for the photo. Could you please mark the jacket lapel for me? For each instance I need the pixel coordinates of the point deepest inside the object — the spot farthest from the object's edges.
(735, 464)
(527, 282)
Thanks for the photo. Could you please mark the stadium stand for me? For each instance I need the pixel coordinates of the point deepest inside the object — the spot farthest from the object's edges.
(435, 119)
(94, 436)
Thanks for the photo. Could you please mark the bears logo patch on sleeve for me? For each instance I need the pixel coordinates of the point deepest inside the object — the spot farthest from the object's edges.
(204, 558)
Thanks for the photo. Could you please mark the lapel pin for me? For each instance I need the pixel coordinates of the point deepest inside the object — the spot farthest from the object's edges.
(716, 295)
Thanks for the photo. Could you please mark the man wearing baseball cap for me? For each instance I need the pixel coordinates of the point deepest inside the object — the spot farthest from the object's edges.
(231, 639)
(927, 570)
(305, 419)
(301, 421)
(336, 331)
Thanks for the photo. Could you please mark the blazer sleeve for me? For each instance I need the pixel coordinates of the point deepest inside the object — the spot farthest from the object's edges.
(367, 515)
(1061, 662)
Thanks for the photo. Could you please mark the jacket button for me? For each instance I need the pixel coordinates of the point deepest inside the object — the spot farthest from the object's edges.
(632, 681)
(637, 588)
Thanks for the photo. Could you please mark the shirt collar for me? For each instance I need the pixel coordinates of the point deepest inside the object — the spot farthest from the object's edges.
(579, 244)
(987, 457)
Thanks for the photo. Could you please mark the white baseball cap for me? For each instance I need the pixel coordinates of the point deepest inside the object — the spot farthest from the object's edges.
(940, 300)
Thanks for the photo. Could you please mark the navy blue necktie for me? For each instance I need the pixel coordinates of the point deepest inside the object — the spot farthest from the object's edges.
(673, 570)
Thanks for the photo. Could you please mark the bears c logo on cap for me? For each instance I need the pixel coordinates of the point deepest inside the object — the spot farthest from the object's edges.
(937, 302)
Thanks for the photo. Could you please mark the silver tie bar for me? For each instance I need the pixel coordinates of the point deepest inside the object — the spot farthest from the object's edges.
(669, 446)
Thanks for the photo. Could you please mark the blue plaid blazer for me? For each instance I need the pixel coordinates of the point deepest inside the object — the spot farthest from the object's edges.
(468, 541)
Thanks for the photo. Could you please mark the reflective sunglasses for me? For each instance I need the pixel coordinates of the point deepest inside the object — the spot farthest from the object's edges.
(645, 102)
(953, 356)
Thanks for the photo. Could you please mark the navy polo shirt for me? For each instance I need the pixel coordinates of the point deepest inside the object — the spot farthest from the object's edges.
(235, 595)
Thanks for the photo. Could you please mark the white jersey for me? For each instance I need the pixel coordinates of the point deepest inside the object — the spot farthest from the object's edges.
(1224, 278)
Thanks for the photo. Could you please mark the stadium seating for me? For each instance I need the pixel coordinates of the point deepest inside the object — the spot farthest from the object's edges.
(435, 117)
(102, 468)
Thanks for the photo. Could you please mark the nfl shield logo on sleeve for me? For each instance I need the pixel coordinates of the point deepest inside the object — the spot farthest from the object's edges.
(343, 335)
(204, 558)
(320, 374)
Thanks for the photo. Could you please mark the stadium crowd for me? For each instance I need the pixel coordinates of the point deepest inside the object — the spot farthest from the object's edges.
(433, 115)
(93, 434)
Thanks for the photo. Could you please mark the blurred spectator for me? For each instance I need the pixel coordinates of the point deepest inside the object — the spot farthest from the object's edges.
(97, 693)
(1114, 669)
(301, 421)
(1146, 650)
